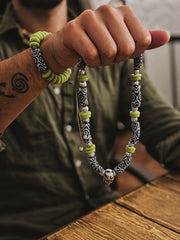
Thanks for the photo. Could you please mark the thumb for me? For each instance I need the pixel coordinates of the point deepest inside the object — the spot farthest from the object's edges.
(159, 38)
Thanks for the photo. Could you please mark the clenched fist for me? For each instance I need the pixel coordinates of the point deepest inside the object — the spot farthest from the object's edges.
(102, 37)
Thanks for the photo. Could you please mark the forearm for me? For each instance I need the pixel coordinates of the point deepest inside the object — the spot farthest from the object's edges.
(20, 84)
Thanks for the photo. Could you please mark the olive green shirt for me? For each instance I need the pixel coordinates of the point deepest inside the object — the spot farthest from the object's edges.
(45, 182)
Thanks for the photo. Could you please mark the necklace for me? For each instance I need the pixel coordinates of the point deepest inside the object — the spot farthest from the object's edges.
(84, 122)
(84, 115)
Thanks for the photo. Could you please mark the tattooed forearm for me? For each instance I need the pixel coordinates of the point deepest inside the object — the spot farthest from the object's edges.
(20, 83)
(2, 93)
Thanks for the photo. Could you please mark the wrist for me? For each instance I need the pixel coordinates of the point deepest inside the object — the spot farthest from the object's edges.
(50, 55)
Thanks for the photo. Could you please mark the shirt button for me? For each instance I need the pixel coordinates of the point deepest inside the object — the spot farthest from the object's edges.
(68, 128)
(78, 163)
(57, 90)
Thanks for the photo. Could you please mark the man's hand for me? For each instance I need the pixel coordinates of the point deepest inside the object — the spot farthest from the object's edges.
(102, 37)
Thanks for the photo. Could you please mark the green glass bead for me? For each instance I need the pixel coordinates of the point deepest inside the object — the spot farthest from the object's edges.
(47, 74)
(34, 38)
(34, 44)
(136, 77)
(130, 149)
(91, 149)
(134, 114)
(51, 77)
(54, 81)
(85, 115)
(61, 78)
(83, 78)
(68, 71)
(41, 35)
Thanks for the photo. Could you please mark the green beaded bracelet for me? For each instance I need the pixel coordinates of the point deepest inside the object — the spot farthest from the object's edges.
(35, 41)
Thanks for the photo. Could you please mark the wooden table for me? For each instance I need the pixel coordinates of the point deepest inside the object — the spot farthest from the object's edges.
(151, 212)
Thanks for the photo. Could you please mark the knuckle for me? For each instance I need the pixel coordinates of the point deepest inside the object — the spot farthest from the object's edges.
(125, 9)
(71, 26)
(106, 9)
(146, 41)
(110, 53)
(87, 14)
(91, 57)
(128, 50)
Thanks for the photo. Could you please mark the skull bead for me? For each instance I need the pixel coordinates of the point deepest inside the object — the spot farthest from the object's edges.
(108, 176)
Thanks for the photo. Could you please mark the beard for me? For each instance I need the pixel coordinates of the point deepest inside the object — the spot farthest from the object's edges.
(40, 4)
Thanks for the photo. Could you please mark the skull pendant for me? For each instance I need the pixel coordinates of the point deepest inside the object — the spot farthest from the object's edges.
(108, 176)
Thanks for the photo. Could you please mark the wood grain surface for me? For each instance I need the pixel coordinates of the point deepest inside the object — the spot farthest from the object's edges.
(149, 213)
(158, 201)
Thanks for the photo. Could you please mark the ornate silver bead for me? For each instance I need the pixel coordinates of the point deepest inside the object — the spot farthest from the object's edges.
(108, 176)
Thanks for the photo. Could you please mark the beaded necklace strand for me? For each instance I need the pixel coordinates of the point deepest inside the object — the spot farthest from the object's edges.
(85, 115)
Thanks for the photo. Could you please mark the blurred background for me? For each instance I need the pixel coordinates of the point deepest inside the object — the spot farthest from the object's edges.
(163, 64)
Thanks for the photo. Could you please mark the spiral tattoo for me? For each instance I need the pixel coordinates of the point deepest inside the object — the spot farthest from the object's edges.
(20, 83)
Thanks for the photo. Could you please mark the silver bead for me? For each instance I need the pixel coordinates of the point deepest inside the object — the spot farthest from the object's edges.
(91, 154)
(81, 149)
(130, 144)
(89, 144)
(134, 109)
(108, 176)
(82, 72)
(134, 119)
(136, 72)
(87, 120)
(128, 154)
(136, 83)
(85, 109)
(83, 84)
